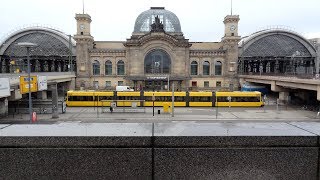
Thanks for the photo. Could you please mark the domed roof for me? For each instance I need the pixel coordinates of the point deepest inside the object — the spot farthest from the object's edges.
(169, 20)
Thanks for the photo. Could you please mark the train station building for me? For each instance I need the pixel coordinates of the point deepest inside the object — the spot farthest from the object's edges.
(157, 55)
(157, 52)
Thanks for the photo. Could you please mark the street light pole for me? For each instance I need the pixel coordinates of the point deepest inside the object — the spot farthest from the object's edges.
(28, 45)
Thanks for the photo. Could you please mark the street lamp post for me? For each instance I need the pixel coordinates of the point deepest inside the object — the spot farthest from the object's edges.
(28, 45)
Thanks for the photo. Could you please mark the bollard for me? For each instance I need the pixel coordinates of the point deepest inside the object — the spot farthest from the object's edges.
(34, 117)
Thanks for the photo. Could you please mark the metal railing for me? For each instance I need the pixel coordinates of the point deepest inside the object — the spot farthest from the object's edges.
(285, 75)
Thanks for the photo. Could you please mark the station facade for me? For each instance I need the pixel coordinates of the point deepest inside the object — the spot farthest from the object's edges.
(157, 56)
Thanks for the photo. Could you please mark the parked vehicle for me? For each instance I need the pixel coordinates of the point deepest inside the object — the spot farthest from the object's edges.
(124, 88)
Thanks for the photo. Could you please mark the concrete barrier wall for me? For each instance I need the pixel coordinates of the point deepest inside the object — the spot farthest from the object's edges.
(171, 151)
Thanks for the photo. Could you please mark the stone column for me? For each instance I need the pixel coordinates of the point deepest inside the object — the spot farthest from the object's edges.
(54, 90)
(276, 69)
(283, 97)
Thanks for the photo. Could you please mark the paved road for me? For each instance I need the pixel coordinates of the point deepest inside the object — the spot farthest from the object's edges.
(268, 113)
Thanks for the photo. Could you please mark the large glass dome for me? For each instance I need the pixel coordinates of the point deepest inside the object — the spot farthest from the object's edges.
(169, 20)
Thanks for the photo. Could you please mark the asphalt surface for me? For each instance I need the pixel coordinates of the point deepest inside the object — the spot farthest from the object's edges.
(268, 113)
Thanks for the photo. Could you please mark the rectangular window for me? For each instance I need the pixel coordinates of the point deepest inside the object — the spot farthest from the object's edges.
(194, 83)
(206, 84)
(108, 69)
(218, 84)
(108, 83)
(120, 83)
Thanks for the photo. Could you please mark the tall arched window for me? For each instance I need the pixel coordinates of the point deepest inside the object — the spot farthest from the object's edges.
(120, 68)
(96, 67)
(157, 62)
(194, 68)
(206, 68)
(218, 68)
(108, 68)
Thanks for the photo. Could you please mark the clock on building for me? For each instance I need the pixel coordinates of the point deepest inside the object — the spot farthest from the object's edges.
(232, 27)
(81, 26)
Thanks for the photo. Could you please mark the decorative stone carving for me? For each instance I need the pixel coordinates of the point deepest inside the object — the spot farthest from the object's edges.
(157, 26)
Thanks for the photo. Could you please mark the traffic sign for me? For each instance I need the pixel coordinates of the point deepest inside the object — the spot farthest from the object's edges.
(24, 84)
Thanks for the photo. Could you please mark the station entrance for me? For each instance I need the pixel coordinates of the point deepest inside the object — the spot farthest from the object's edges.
(157, 85)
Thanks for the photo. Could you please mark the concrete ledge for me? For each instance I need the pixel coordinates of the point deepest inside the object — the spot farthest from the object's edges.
(236, 163)
(172, 151)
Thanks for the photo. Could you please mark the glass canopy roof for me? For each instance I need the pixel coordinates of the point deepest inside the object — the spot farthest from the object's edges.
(276, 45)
(169, 20)
(47, 46)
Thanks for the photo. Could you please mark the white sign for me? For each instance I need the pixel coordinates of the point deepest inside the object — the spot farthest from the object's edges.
(42, 83)
(4, 87)
(156, 77)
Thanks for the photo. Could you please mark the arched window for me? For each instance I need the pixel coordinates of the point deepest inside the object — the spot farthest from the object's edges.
(157, 62)
(194, 68)
(120, 68)
(96, 67)
(206, 68)
(108, 68)
(218, 68)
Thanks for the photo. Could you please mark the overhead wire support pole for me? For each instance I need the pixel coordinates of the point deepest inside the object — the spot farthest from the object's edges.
(231, 7)
(168, 82)
(172, 115)
(70, 54)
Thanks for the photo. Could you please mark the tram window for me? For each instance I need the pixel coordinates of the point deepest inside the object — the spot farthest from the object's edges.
(80, 98)
(239, 99)
(179, 98)
(121, 97)
(165, 98)
(105, 98)
(135, 98)
(222, 99)
(128, 97)
(200, 99)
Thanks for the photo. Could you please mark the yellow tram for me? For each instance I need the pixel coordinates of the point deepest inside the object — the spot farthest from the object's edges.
(181, 99)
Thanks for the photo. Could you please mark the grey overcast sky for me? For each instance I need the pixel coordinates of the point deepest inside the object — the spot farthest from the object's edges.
(201, 20)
